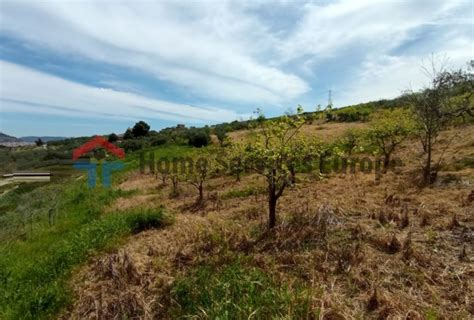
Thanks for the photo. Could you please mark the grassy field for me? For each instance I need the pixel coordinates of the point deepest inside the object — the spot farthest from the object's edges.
(47, 229)
(345, 247)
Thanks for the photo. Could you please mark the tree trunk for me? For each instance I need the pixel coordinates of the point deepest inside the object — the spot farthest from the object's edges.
(201, 193)
(427, 179)
(386, 162)
(293, 175)
(272, 203)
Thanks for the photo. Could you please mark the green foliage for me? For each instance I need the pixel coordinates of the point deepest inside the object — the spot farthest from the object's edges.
(275, 150)
(221, 134)
(237, 292)
(204, 167)
(352, 114)
(34, 268)
(449, 97)
(140, 129)
(158, 140)
(243, 193)
(388, 129)
(112, 138)
(131, 145)
(351, 141)
(128, 134)
(198, 137)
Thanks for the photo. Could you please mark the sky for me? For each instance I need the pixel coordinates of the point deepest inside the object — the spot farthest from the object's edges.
(75, 68)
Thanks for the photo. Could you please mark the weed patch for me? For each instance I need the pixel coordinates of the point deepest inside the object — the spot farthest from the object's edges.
(238, 292)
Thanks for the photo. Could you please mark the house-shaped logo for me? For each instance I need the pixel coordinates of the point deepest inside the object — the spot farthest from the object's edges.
(91, 167)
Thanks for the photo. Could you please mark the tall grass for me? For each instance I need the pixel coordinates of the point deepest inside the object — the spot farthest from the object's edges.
(236, 291)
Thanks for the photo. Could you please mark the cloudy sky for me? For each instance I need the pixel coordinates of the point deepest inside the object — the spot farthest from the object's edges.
(73, 68)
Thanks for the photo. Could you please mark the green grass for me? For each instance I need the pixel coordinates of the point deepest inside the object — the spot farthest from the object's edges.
(245, 192)
(38, 254)
(236, 291)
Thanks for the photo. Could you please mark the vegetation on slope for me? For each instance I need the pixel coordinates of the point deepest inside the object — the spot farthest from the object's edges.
(40, 248)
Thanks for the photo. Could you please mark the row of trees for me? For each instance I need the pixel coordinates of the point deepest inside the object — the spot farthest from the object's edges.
(277, 148)
(140, 136)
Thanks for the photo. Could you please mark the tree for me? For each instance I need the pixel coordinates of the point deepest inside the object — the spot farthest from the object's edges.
(140, 129)
(112, 138)
(128, 134)
(448, 96)
(269, 152)
(175, 179)
(39, 142)
(387, 130)
(221, 134)
(199, 173)
(350, 140)
(234, 157)
(198, 137)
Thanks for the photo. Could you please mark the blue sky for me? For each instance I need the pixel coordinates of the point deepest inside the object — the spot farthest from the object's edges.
(73, 68)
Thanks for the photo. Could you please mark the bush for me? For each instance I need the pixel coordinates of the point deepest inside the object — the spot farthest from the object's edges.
(158, 140)
(133, 144)
(198, 137)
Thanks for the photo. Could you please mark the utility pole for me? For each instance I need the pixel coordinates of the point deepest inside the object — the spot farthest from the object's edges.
(330, 99)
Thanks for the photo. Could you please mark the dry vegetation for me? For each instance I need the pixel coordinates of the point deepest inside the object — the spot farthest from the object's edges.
(362, 249)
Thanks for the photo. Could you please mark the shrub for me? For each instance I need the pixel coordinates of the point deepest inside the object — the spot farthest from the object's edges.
(133, 144)
(198, 137)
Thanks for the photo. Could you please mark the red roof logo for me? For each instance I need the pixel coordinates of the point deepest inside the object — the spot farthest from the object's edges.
(95, 142)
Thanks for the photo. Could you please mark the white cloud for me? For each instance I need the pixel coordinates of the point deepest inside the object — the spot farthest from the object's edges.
(26, 90)
(204, 48)
(236, 53)
(374, 25)
(386, 77)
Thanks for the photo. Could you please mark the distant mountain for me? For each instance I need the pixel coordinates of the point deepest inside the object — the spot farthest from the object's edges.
(44, 138)
(9, 141)
(7, 138)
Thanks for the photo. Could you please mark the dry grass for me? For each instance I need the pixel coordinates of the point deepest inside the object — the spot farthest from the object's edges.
(320, 129)
(365, 249)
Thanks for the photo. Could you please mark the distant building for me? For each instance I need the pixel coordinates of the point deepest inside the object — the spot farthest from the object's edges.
(28, 176)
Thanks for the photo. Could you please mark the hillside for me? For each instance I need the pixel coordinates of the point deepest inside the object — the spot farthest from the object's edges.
(346, 247)
(9, 141)
(43, 138)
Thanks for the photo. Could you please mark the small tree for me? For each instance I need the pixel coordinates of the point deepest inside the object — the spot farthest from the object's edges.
(112, 138)
(128, 134)
(235, 157)
(221, 134)
(269, 154)
(175, 179)
(140, 129)
(199, 174)
(39, 142)
(387, 130)
(350, 140)
(436, 106)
